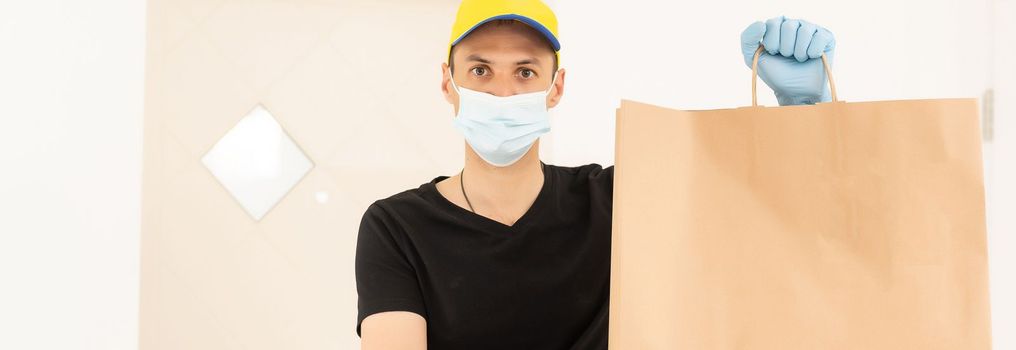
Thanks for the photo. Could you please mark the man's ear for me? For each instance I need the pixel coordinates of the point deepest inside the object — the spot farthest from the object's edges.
(446, 88)
(557, 91)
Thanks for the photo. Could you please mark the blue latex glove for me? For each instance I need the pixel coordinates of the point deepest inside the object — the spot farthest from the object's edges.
(792, 64)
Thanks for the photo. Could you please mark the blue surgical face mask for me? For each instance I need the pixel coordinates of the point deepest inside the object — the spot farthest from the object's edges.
(502, 129)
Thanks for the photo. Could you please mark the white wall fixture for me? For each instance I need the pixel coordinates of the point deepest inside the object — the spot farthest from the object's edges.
(257, 162)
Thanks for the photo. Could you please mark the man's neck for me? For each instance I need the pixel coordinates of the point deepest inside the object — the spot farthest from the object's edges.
(503, 192)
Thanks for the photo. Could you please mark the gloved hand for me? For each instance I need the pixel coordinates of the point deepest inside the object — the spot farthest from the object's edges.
(792, 64)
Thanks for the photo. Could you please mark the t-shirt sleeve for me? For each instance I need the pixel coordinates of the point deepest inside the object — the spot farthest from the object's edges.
(385, 280)
(601, 181)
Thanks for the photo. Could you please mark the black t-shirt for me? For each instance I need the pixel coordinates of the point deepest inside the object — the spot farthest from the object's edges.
(542, 283)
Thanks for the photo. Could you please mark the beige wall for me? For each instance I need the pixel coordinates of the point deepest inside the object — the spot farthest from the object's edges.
(361, 100)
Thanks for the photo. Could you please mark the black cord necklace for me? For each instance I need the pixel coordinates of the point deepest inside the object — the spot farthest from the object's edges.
(463, 186)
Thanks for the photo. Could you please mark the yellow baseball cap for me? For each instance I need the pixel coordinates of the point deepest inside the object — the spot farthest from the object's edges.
(474, 13)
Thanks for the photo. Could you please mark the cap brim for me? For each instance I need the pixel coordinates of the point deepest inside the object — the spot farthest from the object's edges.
(529, 21)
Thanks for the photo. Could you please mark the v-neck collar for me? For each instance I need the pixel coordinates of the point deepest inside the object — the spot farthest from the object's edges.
(430, 190)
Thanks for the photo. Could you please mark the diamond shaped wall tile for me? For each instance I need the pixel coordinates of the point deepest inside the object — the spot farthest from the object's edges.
(257, 162)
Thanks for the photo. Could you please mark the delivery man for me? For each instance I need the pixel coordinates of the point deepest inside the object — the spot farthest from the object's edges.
(518, 256)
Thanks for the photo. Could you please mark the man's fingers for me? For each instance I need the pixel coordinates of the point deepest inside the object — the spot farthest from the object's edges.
(788, 36)
(804, 38)
(821, 42)
(771, 40)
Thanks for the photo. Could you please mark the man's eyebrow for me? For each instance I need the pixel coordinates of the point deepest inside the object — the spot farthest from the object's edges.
(475, 57)
(532, 60)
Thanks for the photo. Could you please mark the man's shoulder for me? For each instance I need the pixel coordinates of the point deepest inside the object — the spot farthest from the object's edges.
(592, 176)
(591, 170)
(407, 198)
(591, 182)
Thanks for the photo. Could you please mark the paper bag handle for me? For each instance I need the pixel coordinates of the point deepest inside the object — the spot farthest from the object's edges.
(754, 76)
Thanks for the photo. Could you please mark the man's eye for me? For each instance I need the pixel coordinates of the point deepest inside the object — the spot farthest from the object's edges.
(479, 70)
(526, 73)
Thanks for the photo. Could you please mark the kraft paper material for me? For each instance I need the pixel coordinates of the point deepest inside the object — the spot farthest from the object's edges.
(829, 226)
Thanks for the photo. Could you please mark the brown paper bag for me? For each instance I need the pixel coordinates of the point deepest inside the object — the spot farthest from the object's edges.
(830, 226)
